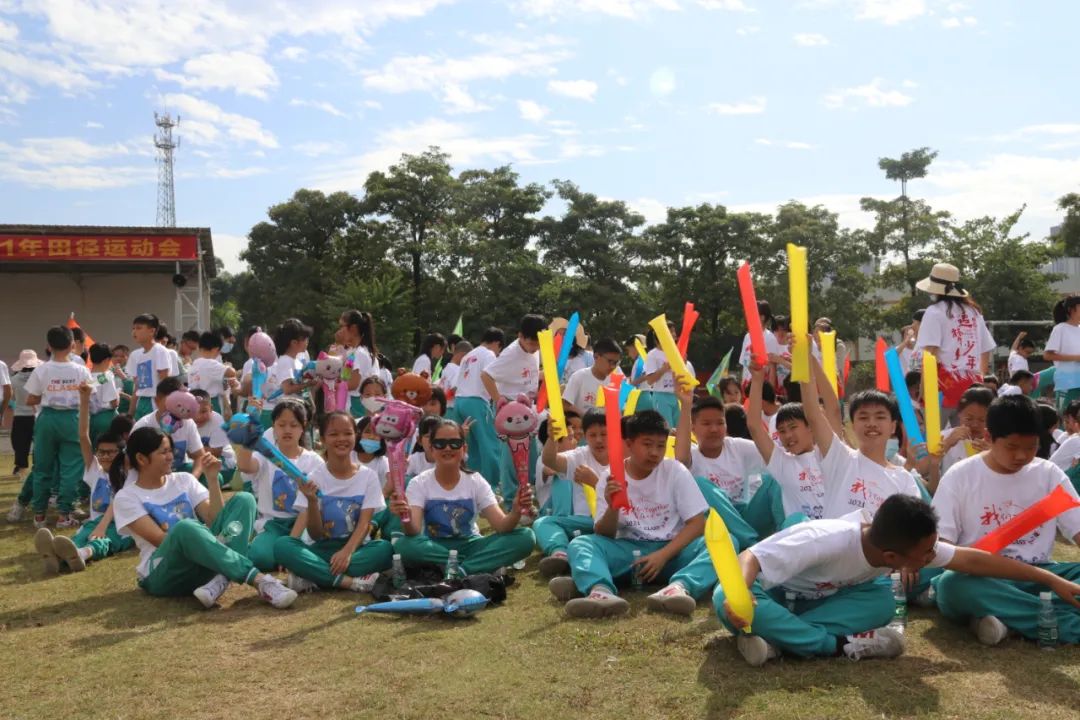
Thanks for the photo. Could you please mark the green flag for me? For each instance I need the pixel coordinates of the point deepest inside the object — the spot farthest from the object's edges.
(457, 328)
(719, 374)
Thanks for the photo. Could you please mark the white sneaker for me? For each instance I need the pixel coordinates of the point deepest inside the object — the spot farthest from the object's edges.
(299, 584)
(40, 522)
(756, 651)
(673, 599)
(364, 584)
(563, 588)
(599, 603)
(43, 543)
(15, 514)
(67, 522)
(209, 593)
(989, 630)
(65, 550)
(883, 642)
(554, 564)
(272, 591)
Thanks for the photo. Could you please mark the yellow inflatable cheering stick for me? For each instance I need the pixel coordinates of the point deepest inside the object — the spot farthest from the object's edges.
(726, 561)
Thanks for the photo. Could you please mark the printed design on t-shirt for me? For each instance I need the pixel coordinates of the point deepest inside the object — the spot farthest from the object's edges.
(996, 514)
(645, 520)
(732, 485)
(865, 494)
(449, 518)
(172, 512)
(340, 514)
(144, 375)
(283, 490)
(812, 493)
(101, 495)
(179, 454)
(590, 398)
(964, 332)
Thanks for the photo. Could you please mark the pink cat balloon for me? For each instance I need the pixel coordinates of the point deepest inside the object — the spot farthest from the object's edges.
(516, 422)
(395, 423)
(261, 347)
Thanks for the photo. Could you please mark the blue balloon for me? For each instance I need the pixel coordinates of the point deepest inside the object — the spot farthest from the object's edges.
(568, 342)
(903, 398)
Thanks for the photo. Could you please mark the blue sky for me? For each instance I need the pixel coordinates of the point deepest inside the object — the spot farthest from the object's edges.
(657, 102)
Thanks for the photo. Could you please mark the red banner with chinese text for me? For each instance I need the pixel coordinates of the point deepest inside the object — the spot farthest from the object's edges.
(98, 247)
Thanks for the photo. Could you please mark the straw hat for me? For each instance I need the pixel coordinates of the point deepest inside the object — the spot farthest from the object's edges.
(27, 359)
(580, 337)
(944, 280)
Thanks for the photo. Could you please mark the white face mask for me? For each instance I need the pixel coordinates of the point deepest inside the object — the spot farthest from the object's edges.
(892, 447)
(226, 347)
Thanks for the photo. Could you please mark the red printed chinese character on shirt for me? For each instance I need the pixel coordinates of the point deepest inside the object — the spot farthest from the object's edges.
(991, 515)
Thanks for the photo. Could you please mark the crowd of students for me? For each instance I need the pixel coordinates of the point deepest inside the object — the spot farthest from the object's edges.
(823, 497)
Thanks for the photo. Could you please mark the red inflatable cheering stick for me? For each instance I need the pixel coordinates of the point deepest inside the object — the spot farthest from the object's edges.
(753, 318)
(620, 500)
(1045, 510)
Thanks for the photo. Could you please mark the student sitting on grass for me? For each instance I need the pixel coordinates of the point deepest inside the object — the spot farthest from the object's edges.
(336, 507)
(443, 505)
(98, 538)
(664, 524)
(212, 434)
(190, 540)
(983, 492)
(184, 435)
(837, 571)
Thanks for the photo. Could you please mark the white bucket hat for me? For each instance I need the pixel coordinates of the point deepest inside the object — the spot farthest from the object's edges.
(27, 359)
(944, 280)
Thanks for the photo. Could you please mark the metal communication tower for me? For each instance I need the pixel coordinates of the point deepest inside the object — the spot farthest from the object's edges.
(163, 141)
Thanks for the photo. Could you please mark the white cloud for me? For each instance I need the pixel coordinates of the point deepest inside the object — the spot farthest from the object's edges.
(531, 110)
(872, 94)
(228, 247)
(731, 5)
(322, 105)
(662, 82)
(205, 123)
(294, 53)
(316, 148)
(890, 12)
(8, 31)
(94, 125)
(789, 144)
(751, 106)
(18, 71)
(652, 209)
(458, 100)
(810, 39)
(578, 89)
(1047, 136)
(626, 9)
(67, 163)
(955, 22)
(242, 72)
(465, 147)
(234, 173)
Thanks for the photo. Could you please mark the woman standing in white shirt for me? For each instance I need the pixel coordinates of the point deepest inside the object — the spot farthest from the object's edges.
(1063, 349)
(431, 350)
(953, 329)
(356, 331)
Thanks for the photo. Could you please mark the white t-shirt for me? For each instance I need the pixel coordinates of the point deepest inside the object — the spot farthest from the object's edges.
(583, 389)
(731, 469)
(973, 500)
(363, 365)
(653, 362)
(660, 503)
(1067, 451)
(174, 501)
(207, 374)
(802, 483)
(57, 383)
(448, 378)
(854, 481)
(961, 339)
(185, 436)
(1065, 339)
(421, 365)
(343, 500)
(956, 453)
(815, 559)
(772, 347)
(5, 377)
(417, 464)
(276, 492)
(450, 513)
(473, 364)
(284, 369)
(515, 371)
(380, 466)
(143, 367)
(101, 494)
(574, 459)
(105, 395)
(1017, 362)
(574, 364)
(175, 366)
(213, 436)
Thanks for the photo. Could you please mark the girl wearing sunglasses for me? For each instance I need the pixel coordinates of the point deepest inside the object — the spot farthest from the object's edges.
(443, 505)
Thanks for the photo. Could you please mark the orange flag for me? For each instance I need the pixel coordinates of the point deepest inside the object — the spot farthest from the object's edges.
(88, 342)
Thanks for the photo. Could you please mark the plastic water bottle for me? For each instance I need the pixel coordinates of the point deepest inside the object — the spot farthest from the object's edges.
(899, 620)
(575, 534)
(232, 530)
(397, 572)
(1048, 624)
(453, 569)
(635, 572)
(789, 600)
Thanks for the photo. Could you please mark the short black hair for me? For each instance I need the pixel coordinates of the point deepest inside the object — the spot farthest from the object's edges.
(1020, 376)
(168, 386)
(200, 394)
(121, 348)
(226, 332)
(604, 346)
(987, 379)
(1026, 343)
(162, 332)
(913, 378)
(361, 426)
(1073, 409)
(438, 394)
(286, 332)
(77, 334)
(646, 422)
(453, 339)
(768, 392)
(148, 319)
(100, 352)
(875, 397)
(597, 416)
(531, 325)
(191, 336)
(121, 425)
(781, 322)
(917, 316)
(790, 411)
(428, 426)
(110, 437)
(209, 340)
(709, 402)
(59, 337)
(792, 390)
(492, 335)
(980, 395)
(1048, 414)
(735, 419)
(1013, 415)
(901, 523)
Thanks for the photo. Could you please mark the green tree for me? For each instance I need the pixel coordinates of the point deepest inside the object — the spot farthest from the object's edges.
(1069, 237)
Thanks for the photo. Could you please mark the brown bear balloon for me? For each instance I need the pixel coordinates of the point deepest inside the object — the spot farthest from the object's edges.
(411, 388)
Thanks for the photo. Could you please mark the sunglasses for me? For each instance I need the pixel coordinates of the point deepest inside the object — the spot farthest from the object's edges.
(443, 443)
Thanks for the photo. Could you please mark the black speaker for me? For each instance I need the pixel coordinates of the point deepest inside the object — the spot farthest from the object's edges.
(179, 280)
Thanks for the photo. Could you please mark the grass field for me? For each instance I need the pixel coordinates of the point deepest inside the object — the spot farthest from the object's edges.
(94, 646)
